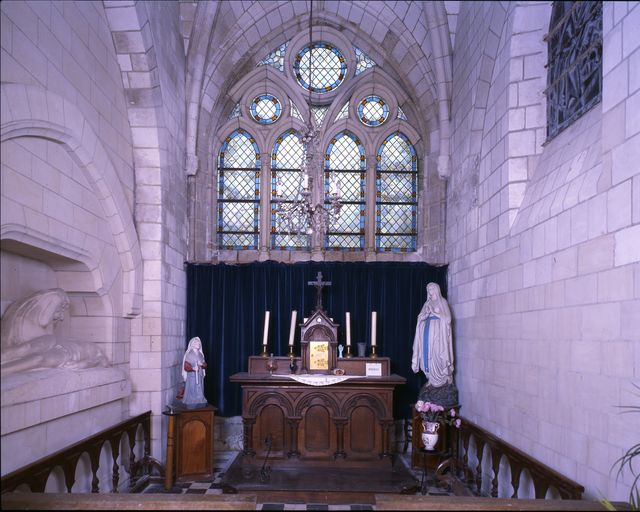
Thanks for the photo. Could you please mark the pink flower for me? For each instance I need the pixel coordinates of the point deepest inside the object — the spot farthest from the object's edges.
(452, 412)
(458, 423)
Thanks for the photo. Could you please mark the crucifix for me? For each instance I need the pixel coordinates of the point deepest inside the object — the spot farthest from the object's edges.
(319, 284)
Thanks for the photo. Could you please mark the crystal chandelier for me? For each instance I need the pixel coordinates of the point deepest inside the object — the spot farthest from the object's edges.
(310, 210)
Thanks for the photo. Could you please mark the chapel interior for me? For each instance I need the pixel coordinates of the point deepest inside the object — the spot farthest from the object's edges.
(282, 179)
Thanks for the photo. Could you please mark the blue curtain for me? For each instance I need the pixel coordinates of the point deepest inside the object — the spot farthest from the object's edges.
(226, 305)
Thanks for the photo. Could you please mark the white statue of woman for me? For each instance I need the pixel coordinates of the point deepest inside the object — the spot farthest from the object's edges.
(432, 343)
(193, 372)
(29, 340)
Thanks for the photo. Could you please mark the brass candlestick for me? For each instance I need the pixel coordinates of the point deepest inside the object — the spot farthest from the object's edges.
(373, 352)
(291, 354)
(264, 351)
(348, 351)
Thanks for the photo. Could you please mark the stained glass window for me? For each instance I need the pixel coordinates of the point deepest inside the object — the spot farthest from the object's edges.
(295, 111)
(320, 67)
(396, 194)
(286, 179)
(235, 112)
(574, 77)
(401, 114)
(275, 58)
(265, 109)
(345, 164)
(238, 192)
(318, 114)
(363, 61)
(344, 112)
(373, 111)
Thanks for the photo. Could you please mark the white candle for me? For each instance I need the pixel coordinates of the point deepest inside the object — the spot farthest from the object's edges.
(292, 331)
(348, 322)
(266, 328)
(373, 328)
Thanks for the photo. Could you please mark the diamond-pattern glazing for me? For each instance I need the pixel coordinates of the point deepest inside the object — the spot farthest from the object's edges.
(373, 111)
(320, 67)
(295, 111)
(265, 109)
(344, 112)
(318, 115)
(235, 112)
(401, 114)
(363, 61)
(275, 58)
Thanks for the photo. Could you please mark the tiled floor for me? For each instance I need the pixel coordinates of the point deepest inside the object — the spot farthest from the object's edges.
(222, 460)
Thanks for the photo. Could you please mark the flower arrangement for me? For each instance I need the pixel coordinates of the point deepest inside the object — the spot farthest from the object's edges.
(435, 413)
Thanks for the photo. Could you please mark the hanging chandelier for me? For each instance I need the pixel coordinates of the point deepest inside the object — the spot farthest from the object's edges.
(310, 210)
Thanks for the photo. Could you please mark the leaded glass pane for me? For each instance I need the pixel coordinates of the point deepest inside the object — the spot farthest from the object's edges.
(345, 164)
(265, 109)
(396, 194)
(275, 58)
(235, 112)
(295, 111)
(364, 61)
(401, 114)
(286, 183)
(238, 192)
(373, 111)
(318, 114)
(320, 67)
(344, 112)
(574, 75)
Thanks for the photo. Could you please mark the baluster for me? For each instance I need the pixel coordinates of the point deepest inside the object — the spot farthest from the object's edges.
(540, 487)
(38, 481)
(131, 435)
(114, 441)
(516, 470)
(69, 470)
(495, 463)
(479, 453)
(466, 471)
(94, 457)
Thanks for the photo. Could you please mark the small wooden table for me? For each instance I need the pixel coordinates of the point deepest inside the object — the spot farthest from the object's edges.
(440, 454)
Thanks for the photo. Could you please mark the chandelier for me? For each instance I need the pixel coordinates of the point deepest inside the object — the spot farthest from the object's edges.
(310, 211)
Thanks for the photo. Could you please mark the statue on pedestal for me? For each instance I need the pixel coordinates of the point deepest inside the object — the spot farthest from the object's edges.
(193, 372)
(433, 349)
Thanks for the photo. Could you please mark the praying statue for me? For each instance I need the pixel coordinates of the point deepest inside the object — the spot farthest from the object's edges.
(433, 349)
(193, 372)
(30, 342)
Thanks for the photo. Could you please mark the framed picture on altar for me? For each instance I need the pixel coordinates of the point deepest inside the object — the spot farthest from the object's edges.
(318, 355)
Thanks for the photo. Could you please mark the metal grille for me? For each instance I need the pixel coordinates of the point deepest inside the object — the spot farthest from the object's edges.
(345, 162)
(396, 195)
(574, 75)
(318, 115)
(238, 192)
(344, 112)
(275, 58)
(373, 111)
(320, 67)
(286, 182)
(363, 61)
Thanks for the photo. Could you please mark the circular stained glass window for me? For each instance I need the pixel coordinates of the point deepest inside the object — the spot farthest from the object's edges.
(373, 111)
(265, 109)
(320, 67)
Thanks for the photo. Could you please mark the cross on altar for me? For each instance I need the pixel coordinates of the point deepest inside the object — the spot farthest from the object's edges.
(319, 284)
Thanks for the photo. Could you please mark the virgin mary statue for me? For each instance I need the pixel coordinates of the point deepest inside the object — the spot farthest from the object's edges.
(433, 349)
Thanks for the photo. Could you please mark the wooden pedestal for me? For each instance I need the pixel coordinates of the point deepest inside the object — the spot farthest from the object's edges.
(194, 443)
(447, 442)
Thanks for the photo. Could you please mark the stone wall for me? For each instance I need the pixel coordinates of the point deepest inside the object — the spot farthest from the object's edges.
(544, 277)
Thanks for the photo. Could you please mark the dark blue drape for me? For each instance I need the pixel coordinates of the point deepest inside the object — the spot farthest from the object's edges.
(226, 305)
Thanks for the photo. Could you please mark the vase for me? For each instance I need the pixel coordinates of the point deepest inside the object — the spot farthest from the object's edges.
(430, 434)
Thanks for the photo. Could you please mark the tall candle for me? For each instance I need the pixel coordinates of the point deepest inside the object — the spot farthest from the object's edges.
(373, 328)
(292, 331)
(266, 328)
(348, 322)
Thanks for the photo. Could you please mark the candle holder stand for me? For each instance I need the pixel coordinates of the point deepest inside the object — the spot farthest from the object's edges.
(374, 354)
(291, 354)
(348, 354)
(264, 352)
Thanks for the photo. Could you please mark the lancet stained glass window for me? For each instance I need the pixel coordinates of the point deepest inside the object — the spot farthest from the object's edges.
(320, 67)
(396, 194)
(574, 77)
(345, 162)
(239, 192)
(286, 180)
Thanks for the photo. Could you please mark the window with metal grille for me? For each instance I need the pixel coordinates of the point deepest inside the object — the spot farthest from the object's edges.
(574, 75)
(239, 192)
(286, 179)
(320, 67)
(345, 163)
(396, 194)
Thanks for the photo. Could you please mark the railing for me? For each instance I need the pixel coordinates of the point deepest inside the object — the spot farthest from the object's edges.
(36, 474)
(543, 476)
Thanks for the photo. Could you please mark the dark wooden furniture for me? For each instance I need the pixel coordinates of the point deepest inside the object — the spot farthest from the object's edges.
(447, 442)
(194, 443)
(36, 474)
(348, 423)
(484, 442)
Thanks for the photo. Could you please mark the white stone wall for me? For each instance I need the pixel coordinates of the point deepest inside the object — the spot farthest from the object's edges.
(544, 271)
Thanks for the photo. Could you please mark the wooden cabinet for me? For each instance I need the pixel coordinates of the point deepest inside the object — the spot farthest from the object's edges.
(194, 443)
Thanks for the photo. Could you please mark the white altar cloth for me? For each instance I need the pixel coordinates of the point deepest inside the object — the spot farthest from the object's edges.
(322, 380)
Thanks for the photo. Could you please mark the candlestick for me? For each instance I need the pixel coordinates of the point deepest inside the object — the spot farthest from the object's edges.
(265, 336)
(348, 322)
(292, 331)
(349, 354)
(374, 354)
(373, 328)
